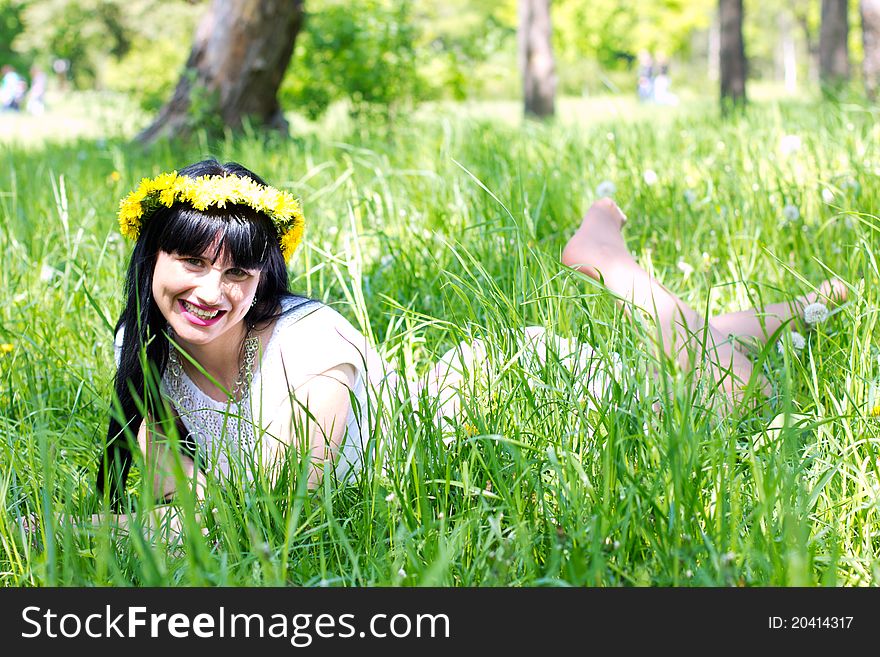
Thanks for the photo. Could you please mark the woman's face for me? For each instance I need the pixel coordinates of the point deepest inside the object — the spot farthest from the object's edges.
(200, 299)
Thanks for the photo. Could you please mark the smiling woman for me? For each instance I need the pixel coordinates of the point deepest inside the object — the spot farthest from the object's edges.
(212, 347)
(208, 313)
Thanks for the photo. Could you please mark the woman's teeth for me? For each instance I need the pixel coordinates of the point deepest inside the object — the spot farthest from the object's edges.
(198, 312)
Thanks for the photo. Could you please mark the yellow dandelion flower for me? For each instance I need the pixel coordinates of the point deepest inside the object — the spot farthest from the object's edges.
(6, 348)
(290, 240)
(213, 191)
(165, 181)
(168, 196)
(115, 176)
(469, 429)
(875, 412)
(286, 206)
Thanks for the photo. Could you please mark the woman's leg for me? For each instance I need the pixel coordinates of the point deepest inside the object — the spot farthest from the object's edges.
(597, 249)
(762, 324)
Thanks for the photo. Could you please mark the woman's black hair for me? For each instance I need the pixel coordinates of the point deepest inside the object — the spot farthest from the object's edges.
(251, 240)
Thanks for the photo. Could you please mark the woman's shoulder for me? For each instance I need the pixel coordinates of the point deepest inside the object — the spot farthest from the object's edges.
(317, 337)
(304, 315)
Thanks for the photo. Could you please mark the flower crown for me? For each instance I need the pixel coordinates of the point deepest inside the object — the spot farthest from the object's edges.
(206, 191)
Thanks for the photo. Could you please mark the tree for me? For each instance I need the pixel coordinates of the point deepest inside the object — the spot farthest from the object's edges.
(870, 12)
(239, 55)
(733, 54)
(536, 63)
(833, 43)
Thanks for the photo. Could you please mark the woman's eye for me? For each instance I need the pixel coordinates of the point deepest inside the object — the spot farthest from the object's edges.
(237, 273)
(195, 262)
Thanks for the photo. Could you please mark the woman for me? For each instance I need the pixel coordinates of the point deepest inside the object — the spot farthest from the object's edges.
(245, 369)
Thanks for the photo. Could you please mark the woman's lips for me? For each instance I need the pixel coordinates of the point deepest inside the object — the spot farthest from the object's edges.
(195, 319)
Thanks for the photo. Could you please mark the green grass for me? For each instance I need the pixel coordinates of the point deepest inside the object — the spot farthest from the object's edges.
(445, 229)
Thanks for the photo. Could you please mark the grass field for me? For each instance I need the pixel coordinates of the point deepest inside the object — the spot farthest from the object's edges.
(447, 228)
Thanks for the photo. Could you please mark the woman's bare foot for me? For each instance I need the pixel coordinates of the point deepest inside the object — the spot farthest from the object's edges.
(832, 292)
(598, 242)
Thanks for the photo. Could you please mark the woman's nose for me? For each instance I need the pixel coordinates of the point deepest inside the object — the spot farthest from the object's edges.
(210, 291)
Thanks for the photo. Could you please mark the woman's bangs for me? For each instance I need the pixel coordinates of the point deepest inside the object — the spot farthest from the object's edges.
(244, 234)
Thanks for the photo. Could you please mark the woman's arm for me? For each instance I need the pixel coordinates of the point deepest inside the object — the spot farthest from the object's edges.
(164, 465)
(320, 407)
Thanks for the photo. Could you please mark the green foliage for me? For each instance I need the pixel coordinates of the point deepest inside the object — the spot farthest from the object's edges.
(95, 35)
(361, 51)
(148, 73)
(10, 27)
(458, 43)
(447, 230)
(614, 31)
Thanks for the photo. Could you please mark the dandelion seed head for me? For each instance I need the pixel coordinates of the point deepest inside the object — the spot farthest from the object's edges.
(827, 195)
(47, 273)
(791, 212)
(790, 144)
(815, 313)
(606, 188)
(798, 342)
(650, 177)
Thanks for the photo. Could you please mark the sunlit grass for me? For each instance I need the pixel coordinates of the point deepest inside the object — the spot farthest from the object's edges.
(442, 230)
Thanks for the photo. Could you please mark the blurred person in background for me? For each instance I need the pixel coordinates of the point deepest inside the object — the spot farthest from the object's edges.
(12, 89)
(36, 98)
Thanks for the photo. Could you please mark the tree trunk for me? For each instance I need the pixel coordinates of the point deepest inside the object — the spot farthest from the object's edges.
(833, 46)
(803, 19)
(789, 58)
(870, 11)
(733, 54)
(536, 58)
(240, 53)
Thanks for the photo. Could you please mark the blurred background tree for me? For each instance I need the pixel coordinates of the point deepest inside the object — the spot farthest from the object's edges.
(238, 58)
(11, 26)
(381, 56)
(136, 47)
(869, 11)
(363, 51)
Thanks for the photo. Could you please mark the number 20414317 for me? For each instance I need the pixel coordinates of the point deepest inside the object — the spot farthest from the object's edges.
(810, 622)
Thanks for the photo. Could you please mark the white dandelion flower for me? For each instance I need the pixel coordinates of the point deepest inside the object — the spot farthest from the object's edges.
(791, 212)
(47, 273)
(827, 195)
(815, 313)
(798, 342)
(790, 144)
(606, 188)
(650, 177)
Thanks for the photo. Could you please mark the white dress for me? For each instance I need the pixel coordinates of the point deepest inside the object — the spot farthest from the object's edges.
(311, 338)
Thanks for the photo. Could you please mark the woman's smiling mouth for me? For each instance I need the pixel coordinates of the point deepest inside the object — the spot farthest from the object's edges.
(198, 315)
